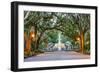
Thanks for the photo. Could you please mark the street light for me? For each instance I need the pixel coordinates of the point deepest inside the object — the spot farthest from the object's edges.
(33, 35)
(32, 32)
(78, 39)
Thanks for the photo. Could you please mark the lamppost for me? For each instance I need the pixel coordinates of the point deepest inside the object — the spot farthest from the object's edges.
(59, 41)
(33, 35)
(78, 40)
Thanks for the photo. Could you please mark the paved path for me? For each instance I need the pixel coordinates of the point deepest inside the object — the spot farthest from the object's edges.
(57, 55)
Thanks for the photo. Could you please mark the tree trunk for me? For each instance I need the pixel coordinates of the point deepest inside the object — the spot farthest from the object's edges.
(27, 43)
(38, 41)
(82, 42)
(35, 38)
(37, 45)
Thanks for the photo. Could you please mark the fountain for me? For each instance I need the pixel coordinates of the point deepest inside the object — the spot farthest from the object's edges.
(59, 46)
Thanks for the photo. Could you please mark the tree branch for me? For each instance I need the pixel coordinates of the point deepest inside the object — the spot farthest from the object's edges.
(26, 15)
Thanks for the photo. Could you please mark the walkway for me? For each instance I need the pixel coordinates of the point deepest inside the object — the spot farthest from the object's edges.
(57, 55)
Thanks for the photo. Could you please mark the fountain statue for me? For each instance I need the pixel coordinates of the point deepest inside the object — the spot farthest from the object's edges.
(59, 46)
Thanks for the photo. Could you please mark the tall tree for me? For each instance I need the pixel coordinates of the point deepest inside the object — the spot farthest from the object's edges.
(42, 22)
(79, 24)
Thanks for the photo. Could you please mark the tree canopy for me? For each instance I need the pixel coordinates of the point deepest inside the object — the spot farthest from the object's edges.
(46, 26)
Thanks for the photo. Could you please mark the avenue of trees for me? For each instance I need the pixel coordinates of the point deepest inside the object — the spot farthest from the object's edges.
(41, 28)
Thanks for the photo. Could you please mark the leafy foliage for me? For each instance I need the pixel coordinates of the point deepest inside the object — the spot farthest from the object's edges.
(48, 24)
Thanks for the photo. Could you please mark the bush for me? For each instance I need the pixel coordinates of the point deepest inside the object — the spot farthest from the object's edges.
(28, 53)
(38, 51)
(87, 48)
(32, 53)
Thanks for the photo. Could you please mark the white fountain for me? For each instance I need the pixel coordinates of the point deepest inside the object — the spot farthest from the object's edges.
(59, 45)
